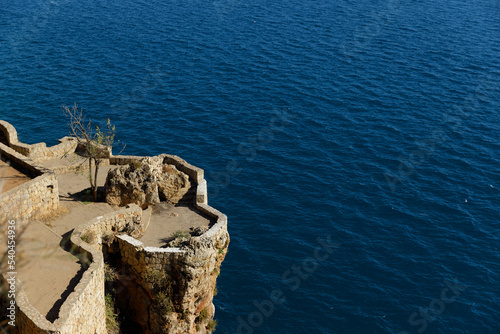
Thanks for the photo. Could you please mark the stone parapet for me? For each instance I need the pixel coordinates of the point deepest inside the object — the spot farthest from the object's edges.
(127, 220)
(8, 131)
(32, 199)
(37, 152)
(189, 272)
(84, 309)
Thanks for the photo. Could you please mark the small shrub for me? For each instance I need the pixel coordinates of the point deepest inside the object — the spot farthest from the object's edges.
(211, 325)
(110, 274)
(88, 237)
(156, 278)
(112, 324)
(203, 314)
(134, 165)
(164, 302)
(216, 291)
(221, 251)
(198, 328)
(185, 314)
(54, 215)
(108, 238)
(180, 238)
(181, 234)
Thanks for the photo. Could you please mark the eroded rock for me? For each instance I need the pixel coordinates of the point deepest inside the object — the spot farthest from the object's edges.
(146, 182)
(173, 185)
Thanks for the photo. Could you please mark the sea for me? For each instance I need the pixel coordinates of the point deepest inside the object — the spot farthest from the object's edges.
(353, 145)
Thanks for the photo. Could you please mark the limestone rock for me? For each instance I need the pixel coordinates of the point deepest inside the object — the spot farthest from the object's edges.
(185, 282)
(197, 231)
(173, 185)
(145, 182)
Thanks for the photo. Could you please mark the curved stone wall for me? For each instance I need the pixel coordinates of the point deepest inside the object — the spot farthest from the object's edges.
(192, 270)
(127, 220)
(84, 309)
(32, 199)
(37, 152)
(9, 132)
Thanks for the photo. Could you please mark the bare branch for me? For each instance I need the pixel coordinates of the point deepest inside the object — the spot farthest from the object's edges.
(96, 144)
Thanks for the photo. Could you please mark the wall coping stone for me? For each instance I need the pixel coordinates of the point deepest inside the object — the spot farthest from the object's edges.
(200, 202)
(133, 241)
(9, 130)
(164, 250)
(22, 160)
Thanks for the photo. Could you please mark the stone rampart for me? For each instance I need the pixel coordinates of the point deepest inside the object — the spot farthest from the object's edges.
(9, 132)
(190, 272)
(84, 309)
(37, 152)
(127, 220)
(32, 199)
(40, 152)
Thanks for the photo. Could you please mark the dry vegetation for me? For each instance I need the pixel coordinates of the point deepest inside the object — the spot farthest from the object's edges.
(57, 214)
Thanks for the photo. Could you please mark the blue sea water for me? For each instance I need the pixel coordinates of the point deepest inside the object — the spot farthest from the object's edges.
(352, 144)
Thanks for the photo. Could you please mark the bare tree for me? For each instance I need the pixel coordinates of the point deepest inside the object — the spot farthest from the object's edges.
(96, 143)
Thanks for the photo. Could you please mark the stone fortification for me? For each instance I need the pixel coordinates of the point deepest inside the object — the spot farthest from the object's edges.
(175, 286)
(166, 290)
(37, 152)
(84, 309)
(33, 199)
(170, 290)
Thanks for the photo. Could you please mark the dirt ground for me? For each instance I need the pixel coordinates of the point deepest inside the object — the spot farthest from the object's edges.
(167, 219)
(10, 177)
(45, 270)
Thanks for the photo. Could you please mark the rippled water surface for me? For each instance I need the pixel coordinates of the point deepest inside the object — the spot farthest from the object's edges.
(352, 144)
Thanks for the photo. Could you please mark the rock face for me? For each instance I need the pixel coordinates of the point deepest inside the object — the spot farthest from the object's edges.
(145, 182)
(172, 293)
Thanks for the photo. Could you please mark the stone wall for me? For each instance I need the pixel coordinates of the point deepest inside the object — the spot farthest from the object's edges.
(9, 132)
(188, 274)
(127, 220)
(83, 311)
(28, 319)
(32, 199)
(124, 159)
(40, 152)
(37, 152)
